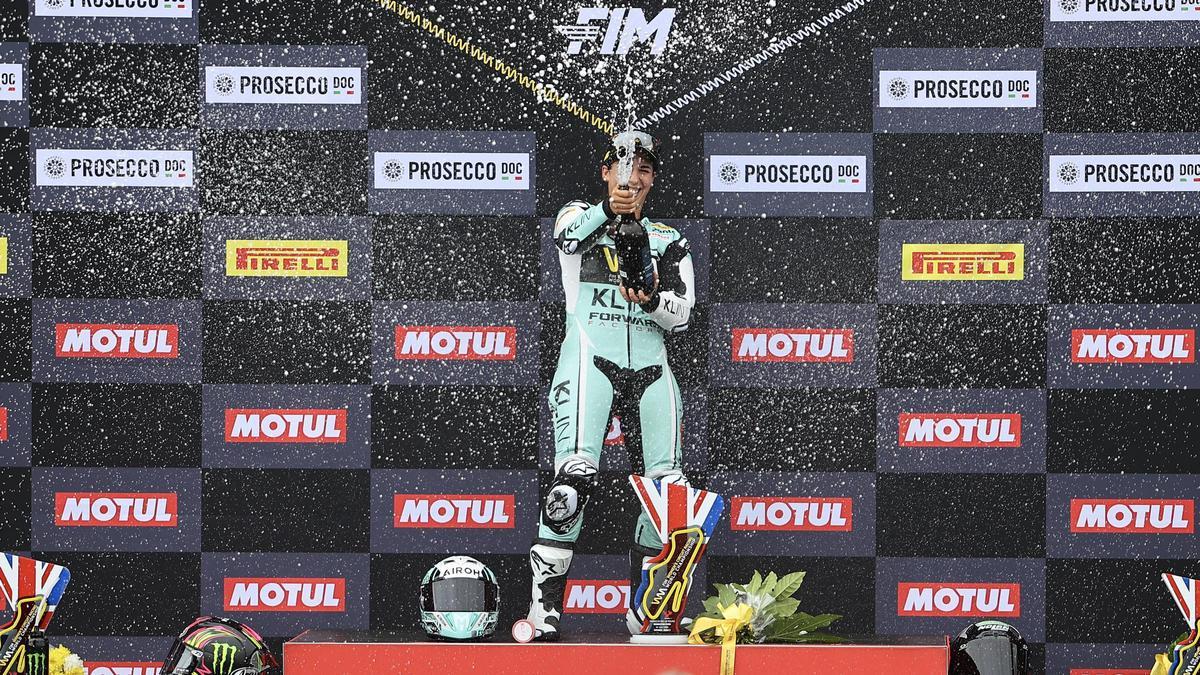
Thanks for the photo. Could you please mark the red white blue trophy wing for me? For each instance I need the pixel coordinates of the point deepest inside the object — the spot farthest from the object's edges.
(1184, 591)
(22, 577)
(684, 518)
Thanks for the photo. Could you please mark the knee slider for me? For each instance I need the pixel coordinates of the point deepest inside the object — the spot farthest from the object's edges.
(569, 494)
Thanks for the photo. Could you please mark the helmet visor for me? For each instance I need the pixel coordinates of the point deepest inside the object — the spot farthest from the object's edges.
(459, 594)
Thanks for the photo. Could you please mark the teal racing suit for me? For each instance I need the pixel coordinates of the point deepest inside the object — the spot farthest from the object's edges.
(613, 360)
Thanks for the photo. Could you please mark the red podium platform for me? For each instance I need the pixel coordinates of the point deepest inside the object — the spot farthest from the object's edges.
(336, 652)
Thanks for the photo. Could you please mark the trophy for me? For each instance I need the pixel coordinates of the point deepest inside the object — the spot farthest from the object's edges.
(33, 589)
(684, 518)
(1183, 657)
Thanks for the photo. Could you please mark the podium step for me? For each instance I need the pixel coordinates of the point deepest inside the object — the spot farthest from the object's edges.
(350, 653)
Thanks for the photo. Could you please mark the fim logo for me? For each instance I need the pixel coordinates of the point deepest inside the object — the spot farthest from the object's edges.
(617, 38)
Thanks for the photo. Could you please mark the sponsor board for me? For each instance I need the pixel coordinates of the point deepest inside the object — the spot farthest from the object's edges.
(490, 173)
(113, 170)
(16, 254)
(116, 509)
(122, 655)
(485, 510)
(980, 262)
(117, 340)
(795, 514)
(115, 21)
(14, 101)
(275, 426)
(961, 431)
(1121, 174)
(763, 345)
(287, 257)
(15, 425)
(787, 174)
(1116, 346)
(1121, 516)
(921, 596)
(283, 87)
(957, 90)
(1100, 659)
(616, 454)
(695, 231)
(455, 343)
(1121, 23)
(286, 593)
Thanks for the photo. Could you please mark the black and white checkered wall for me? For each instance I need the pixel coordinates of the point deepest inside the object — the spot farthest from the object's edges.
(208, 404)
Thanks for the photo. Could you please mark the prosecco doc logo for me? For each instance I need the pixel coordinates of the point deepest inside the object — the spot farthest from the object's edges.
(787, 173)
(84, 167)
(1124, 173)
(12, 85)
(282, 85)
(957, 88)
(451, 170)
(170, 9)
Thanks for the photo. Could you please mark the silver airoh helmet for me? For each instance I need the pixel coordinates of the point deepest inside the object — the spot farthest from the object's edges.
(460, 600)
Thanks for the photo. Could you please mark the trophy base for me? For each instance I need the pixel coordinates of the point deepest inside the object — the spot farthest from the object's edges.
(658, 639)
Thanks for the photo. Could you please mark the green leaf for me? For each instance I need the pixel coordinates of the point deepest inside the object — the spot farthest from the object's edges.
(799, 626)
(788, 585)
(768, 585)
(710, 605)
(755, 582)
(783, 608)
(726, 595)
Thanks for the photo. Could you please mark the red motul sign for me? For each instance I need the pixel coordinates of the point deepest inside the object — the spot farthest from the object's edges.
(1167, 345)
(116, 509)
(456, 343)
(958, 599)
(122, 667)
(454, 511)
(792, 514)
(278, 425)
(116, 340)
(275, 594)
(1133, 516)
(960, 430)
(599, 596)
(793, 345)
(3, 424)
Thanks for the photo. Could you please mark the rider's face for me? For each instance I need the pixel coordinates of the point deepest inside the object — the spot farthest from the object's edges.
(642, 177)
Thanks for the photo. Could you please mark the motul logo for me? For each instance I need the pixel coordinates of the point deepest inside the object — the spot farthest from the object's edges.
(3, 424)
(456, 343)
(121, 668)
(793, 514)
(801, 345)
(285, 595)
(1133, 516)
(596, 597)
(115, 509)
(1090, 345)
(269, 425)
(947, 599)
(958, 430)
(116, 340)
(454, 511)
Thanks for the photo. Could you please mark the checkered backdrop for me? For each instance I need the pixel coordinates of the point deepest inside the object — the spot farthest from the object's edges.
(994, 515)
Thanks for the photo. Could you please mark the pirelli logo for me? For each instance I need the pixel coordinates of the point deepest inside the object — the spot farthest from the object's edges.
(3, 255)
(963, 262)
(286, 257)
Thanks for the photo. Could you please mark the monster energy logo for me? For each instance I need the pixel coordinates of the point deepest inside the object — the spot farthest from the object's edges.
(223, 658)
(35, 663)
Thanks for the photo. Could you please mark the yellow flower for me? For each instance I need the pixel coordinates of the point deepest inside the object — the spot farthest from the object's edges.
(63, 662)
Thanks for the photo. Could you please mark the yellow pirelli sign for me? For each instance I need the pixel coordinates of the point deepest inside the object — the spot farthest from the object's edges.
(963, 262)
(3, 255)
(286, 257)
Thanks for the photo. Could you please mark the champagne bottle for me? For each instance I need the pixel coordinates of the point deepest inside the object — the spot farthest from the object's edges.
(634, 262)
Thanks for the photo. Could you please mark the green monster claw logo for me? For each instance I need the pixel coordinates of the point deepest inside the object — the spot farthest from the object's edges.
(223, 658)
(35, 664)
